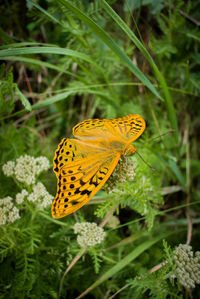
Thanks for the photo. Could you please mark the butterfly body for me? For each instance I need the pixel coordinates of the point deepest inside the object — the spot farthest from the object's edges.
(84, 164)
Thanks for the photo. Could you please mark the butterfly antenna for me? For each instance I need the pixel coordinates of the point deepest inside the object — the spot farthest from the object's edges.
(152, 169)
(171, 131)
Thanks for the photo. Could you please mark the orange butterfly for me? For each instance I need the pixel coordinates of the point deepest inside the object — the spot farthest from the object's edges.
(83, 165)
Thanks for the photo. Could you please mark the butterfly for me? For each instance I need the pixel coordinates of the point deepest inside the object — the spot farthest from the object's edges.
(84, 164)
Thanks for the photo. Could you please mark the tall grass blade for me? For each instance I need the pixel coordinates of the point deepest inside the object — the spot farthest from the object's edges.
(111, 44)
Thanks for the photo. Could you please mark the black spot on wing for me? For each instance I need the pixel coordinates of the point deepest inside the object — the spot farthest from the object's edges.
(92, 182)
(85, 192)
(102, 172)
(74, 202)
(56, 161)
(82, 182)
(77, 191)
(56, 169)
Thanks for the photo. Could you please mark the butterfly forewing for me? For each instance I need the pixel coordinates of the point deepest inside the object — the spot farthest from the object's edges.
(80, 178)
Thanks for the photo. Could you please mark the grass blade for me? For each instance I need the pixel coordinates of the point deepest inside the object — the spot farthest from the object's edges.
(38, 62)
(111, 44)
(44, 50)
(178, 173)
(52, 100)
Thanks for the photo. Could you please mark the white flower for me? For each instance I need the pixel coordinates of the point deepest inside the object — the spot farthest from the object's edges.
(20, 196)
(40, 195)
(13, 215)
(8, 168)
(8, 212)
(25, 170)
(187, 266)
(90, 234)
(41, 164)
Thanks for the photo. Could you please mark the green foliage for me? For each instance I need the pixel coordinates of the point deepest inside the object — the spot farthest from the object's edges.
(67, 61)
(96, 258)
(7, 88)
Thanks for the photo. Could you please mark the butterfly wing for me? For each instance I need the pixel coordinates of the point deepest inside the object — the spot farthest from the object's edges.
(81, 176)
(125, 129)
(129, 127)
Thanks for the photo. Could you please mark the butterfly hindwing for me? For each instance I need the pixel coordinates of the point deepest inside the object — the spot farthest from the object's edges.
(129, 127)
(125, 129)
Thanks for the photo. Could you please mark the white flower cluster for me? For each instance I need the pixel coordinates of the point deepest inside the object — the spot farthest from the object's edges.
(26, 168)
(89, 234)
(8, 212)
(41, 196)
(188, 266)
(125, 170)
